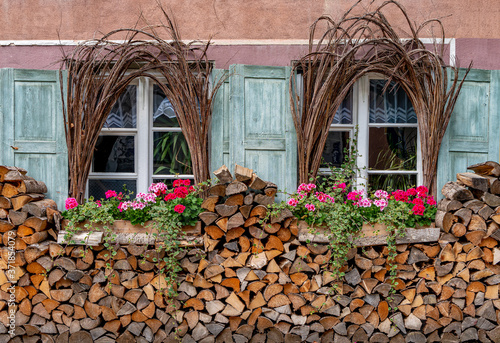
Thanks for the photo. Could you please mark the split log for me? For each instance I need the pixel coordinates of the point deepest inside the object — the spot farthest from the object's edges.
(474, 181)
(9, 174)
(453, 191)
(19, 201)
(39, 208)
(223, 174)
(242, 174)
(486, 168)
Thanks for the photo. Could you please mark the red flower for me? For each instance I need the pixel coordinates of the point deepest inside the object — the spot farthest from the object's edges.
(191, 189)
(186, 182)
(179, 208)
(422, 191)
(110, 194)
(181, 192)
(177, 183)
(431, 201)
(411, 191)
(400, 195)
(170, 196)
(417, 201)
(418, 210)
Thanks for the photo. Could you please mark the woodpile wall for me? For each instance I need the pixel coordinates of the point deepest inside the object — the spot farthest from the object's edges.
(255, 282)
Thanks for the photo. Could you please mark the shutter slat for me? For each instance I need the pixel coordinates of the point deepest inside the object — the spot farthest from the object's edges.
(472, 134)
(33, 123)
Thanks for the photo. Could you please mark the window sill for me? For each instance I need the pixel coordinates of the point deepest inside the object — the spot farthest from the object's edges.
(372, 235)
(123, 232)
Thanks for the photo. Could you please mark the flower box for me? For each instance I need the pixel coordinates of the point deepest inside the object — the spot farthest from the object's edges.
(123, 232)
(371, 235)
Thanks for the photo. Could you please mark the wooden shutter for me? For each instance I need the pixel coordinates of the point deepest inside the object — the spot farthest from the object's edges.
(31, 128)
(473, 133)
(220, 123)
(257, 129)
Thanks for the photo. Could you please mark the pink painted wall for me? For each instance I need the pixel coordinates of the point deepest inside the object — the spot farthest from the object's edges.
(226, 19)
(484, 53)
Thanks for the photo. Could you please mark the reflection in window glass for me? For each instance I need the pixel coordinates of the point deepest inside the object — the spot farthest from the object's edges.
(344, 113)
(393, 148)
(392, 106)
(163, 111)
(392, 182)
(333, 154)
(114, 154)
(171, 154)
(124, 112)
(98, 188)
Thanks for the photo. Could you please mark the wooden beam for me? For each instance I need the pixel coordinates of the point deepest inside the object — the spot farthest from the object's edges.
(412, 236)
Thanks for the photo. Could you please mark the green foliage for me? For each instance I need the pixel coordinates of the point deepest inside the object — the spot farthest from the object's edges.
(165, 212)
(332, 203)
(171, 154)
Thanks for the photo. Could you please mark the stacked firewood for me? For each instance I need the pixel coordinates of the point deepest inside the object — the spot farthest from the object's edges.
(469, 215)
(258, 281)
(25, 216)
(23, 207)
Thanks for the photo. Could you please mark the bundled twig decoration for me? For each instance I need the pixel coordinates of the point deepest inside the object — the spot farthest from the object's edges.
(355, 46)
(100, 70)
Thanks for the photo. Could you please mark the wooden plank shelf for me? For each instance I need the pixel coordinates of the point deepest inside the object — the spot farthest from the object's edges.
(123, 232)
(372, 236)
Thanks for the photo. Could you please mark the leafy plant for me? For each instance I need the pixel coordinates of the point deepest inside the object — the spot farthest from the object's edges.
(165, 211)
(341, 210)
(171, 154)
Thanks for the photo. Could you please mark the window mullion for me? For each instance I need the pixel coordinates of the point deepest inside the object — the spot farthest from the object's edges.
(420, 175)
(363, 93)
(142, 160)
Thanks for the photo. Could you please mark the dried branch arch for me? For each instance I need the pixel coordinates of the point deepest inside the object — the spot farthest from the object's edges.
(100, 70)
(355, 46)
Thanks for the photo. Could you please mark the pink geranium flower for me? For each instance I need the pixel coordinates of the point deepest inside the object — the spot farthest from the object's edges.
(110, 194)
(310, 207)
(71, 203)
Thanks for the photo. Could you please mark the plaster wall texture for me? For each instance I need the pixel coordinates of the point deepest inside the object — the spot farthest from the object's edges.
(227, 19)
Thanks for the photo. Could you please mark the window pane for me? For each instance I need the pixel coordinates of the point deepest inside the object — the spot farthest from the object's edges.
(333, 154)
(124, 112)
(393, 106)
(393, 148)
(344, 113)
(171, 154)
(114, 154)
(391, 182)
(163, 112)
(98, 188)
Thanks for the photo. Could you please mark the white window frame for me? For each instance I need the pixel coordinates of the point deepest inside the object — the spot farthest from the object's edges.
(143, 137)
(360, 118)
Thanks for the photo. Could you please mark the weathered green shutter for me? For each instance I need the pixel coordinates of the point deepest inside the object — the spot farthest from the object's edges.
(473, 134)
(252, 125)
(220, 123)
(31, 127)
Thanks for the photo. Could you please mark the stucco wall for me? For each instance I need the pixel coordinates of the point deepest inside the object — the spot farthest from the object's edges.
(225, 19)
